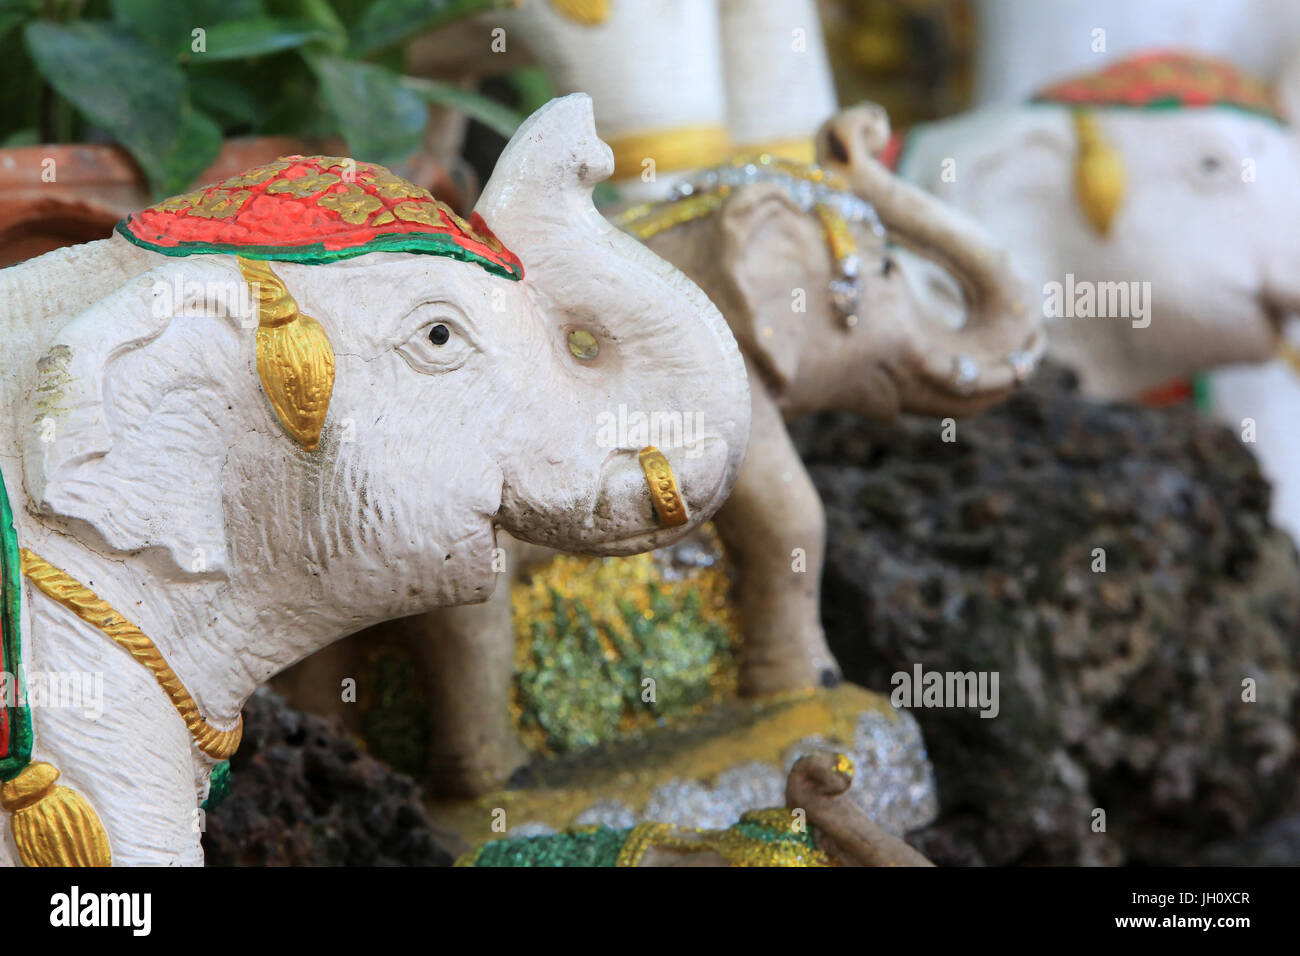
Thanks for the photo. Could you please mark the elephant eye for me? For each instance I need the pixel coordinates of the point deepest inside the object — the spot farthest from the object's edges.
(1213, 169)
(438, 346)
(583, 344)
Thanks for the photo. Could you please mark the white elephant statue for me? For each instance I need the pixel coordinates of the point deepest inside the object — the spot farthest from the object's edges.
(802, 264)
(283, 408)
(1156, 205)
(680, 85)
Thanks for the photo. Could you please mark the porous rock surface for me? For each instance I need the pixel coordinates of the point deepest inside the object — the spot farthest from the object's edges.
(1121, 690)
(303, 794)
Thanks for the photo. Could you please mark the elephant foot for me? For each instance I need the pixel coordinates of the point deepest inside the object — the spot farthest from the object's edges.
(796, 659)
(471, 775)
(761, 678)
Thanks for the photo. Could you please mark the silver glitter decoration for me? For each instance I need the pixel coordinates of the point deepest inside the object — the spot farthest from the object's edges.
(610, 813)
(690, 803)
(678, 561)
(844, 298)
(965, 373)
(532, 829)
(805, 193)
(893, 783)
(1022, 364)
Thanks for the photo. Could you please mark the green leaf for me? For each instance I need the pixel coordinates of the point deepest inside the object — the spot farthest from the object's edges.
(256, 37)
(10, 20)
(388, 22)
(497, 117)
(225, 98)
(382, 120)
(320, 13)
(193, 151)
(129, 90)
(534, 87)
(168, 26)
(29, 136)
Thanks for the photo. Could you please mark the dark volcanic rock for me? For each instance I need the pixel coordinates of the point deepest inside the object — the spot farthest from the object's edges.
(1119, 690)
(303, 794)
(1274, 844)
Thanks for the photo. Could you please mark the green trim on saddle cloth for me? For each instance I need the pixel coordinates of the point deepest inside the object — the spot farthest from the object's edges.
(15, 718)
(580, 846)
(218, 786)
(759, 838)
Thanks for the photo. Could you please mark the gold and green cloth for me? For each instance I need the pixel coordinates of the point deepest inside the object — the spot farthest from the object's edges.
(771, 837)
(15, 715)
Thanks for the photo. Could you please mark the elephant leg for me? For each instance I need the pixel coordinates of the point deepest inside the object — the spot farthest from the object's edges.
(774, 528)
(467, 657)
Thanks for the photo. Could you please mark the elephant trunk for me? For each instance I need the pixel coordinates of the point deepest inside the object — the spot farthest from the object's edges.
(665, 352)
(1002, 339)
(1281, 288)
(819, 784)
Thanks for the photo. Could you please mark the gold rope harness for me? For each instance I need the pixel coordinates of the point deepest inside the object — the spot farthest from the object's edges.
(83, 602)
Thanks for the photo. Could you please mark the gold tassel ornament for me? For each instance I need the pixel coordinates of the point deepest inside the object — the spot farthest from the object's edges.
(53, 825)
(295, 360)
(1099, 177)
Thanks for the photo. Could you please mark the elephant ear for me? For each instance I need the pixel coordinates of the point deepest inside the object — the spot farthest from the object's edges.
(1286, 88)
(1010, 168)
(124, 431)
(770, 247)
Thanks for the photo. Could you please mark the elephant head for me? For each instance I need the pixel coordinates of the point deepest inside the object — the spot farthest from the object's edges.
(798, 259)
(355, 424)
(979, 354)
(1136, 180)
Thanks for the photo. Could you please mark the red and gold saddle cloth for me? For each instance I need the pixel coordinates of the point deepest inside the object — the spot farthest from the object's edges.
(1159, 79)
(316, 209)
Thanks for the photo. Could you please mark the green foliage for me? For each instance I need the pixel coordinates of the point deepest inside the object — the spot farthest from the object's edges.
(394, 724)
(382, 120)
(585, 680)
(169, 80)
(386, 23)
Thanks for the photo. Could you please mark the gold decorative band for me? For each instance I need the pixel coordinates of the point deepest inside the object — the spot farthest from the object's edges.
(663, 487)
(295, 360)
(650, 219)
(1291, 355)
(799, 149)
(1099, 174)
(682, 147)
(589, 13)
(838, 234)
(83, 602)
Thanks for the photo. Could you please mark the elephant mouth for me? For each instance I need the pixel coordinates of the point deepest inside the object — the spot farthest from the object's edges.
(663, 494)
(1277, 317)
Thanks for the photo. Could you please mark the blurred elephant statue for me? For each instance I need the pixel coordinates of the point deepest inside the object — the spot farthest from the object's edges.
(820, 825)
(801, 262)
(678, 85)
(803, 270)
(1155, 205)
(289, 406)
